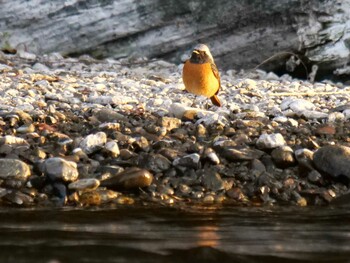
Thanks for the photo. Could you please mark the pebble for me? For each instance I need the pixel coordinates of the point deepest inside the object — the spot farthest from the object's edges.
(112, 148)
(13, 168)
(77, 126)
(212, 181)
(283, 157)
(190, 161)
(84, 184)
(270, 141)
(333, 160)
(132, 178)
(58, 169)
(93, 142)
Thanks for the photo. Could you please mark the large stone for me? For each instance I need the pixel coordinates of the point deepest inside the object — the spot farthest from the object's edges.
(58, 169)
(132, 178)
(333, 160)
(13, 168)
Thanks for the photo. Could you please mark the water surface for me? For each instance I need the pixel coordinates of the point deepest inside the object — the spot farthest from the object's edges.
(163, 234)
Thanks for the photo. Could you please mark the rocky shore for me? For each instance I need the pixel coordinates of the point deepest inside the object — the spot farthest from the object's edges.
(82, 132)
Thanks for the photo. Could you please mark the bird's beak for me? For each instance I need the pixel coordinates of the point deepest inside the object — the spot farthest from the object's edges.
(195, 52)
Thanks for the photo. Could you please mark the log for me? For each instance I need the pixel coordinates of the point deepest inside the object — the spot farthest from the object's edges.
(241, 33)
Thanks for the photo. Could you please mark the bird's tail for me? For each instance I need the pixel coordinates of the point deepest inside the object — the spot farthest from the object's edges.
(215, 100)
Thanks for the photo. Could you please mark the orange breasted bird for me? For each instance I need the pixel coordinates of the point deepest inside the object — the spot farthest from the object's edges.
(200, 74)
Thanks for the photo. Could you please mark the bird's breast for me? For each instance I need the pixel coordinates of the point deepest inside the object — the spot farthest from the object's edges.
(199, 79)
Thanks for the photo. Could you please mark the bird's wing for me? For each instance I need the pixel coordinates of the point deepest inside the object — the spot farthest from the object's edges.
(216, 74)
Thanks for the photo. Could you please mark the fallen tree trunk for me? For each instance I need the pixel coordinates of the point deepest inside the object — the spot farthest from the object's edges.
(241, 34)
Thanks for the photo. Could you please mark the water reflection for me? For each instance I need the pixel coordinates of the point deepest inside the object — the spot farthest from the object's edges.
(158, 234)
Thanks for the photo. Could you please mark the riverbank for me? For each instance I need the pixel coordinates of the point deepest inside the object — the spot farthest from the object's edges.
(85, 132)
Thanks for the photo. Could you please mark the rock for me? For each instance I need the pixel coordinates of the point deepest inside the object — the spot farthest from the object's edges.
(26, 128)
(297, 105)
(141, 144)
(156, 163)
(13, 168)
(169, 123)
(211, 155)
(304, 158)
(283, 157)
(93, 142)
(240, 154)
(132, 178)
(58, 169)
(325, 130)
(84, 184)
(270, 141)
(333, 160)
(257, 167)
(212, 181)
(112, 148)
(190, 161)
(237, 194)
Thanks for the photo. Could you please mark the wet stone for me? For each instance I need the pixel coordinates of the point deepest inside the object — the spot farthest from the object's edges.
(283, 157)
(13, 168)
(58, 169)
(93, 142)
(132, 178)
(84, 184)
(189, 161)
(333, 160)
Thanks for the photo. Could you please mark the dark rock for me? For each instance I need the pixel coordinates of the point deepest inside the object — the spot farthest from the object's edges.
(132, 178)
(236, 193)
(257, 167)
(141, 144)
(283, 157)
(240, 154)
(170, 153)
(333, 160)
(190, 161)
(304, 158)
(212, 181)
(13, 168)
(154, 162)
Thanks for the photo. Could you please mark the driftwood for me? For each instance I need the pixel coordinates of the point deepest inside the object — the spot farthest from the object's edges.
(241, 33)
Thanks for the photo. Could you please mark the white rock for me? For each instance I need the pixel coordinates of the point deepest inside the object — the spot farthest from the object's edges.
(93, 142)
(57, 168)
(9, 139)
(113, 148)
(309, 114)
(336, 116)
(297, 105)
(270, 141)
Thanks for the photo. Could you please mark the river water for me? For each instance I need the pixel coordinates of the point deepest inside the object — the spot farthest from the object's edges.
(162, 234)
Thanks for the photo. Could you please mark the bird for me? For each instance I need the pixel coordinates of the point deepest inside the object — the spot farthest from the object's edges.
(200, 74)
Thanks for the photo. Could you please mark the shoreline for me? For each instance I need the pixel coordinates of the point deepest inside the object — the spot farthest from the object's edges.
(82, 132)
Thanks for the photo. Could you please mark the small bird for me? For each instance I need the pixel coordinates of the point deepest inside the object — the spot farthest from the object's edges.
(200, 74)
